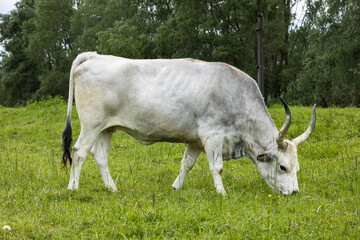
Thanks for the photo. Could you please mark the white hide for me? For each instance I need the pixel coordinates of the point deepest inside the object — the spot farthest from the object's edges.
(281, 170)
(212, 107)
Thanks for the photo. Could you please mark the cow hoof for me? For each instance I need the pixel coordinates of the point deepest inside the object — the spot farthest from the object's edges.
(72, 187)
(222, 192)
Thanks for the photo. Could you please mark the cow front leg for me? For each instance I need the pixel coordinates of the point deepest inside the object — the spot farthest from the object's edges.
(100, 152)
(187, 163)
(213, 151)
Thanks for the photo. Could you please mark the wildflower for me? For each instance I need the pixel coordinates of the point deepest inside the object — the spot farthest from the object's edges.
(269, 195)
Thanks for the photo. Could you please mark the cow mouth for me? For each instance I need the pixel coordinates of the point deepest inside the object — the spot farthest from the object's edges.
(287, 192)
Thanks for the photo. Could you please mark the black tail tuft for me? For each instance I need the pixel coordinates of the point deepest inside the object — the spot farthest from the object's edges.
(66, 143)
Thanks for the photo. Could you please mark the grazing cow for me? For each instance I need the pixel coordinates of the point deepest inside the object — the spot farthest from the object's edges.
(212, 107)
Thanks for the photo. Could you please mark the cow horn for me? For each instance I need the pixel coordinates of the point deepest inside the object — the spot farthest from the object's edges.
(280, 139)
(300, 139)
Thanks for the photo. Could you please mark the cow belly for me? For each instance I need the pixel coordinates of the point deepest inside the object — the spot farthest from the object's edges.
(151, 138)
(148, 131)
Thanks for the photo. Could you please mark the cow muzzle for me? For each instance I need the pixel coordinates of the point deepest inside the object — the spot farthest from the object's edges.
(288, 192)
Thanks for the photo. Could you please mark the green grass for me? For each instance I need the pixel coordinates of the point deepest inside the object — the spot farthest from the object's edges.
(35, 203)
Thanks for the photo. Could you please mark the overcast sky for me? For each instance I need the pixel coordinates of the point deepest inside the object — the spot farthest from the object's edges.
(7, 5)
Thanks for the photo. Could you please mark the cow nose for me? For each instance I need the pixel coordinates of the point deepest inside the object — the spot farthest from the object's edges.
(295, 192)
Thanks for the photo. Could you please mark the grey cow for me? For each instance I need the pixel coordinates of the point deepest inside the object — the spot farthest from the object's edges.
(212, 107)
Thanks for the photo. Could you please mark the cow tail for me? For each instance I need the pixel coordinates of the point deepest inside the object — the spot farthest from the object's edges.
(67, 133)
(66, 143)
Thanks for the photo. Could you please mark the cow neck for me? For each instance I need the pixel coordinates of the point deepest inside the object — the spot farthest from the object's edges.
(261, 134)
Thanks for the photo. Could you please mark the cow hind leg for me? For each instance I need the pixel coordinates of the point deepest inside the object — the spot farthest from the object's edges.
(187, 163)
(100, 152)
(81, 149)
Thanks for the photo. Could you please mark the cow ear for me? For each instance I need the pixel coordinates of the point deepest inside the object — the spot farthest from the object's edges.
(264, 157)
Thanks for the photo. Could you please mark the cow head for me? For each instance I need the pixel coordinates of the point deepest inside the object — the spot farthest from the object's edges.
(279, 165)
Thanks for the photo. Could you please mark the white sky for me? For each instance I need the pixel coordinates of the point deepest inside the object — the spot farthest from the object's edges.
(7, 5)
(299, 10)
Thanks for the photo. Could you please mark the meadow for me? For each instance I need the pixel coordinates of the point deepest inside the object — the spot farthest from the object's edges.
(34, 201)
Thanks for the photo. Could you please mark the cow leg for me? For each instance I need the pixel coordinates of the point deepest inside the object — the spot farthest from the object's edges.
(81, 149)
(100, 153)
(213, 151)
(187, 163)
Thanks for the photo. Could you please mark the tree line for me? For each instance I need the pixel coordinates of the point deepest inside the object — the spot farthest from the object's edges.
(316, 61)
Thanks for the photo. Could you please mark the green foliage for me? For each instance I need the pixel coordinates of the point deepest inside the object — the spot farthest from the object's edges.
(332, 56)
(90, 18)
(317, 61)
(19, 74)
(50, 45)
(123, 40)
(52, 83)
(35, 203)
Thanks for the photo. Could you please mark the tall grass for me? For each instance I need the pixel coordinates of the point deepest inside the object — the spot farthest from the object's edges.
(35, 203)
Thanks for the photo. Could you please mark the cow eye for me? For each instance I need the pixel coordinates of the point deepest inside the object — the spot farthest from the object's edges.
(283, 168)
(264, 158)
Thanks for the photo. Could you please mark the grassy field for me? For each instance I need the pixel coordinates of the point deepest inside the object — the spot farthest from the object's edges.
(34, 201)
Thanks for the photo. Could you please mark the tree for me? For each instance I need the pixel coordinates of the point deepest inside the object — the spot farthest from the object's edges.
(51, 44)
(87, 21)
(317, 62)
(329, 73)
(133, 31)
(19, 74)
